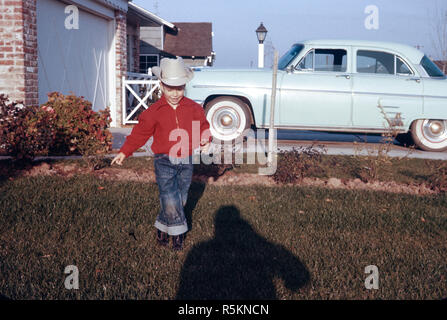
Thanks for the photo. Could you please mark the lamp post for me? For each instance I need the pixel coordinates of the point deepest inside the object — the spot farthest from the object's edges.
(261, 33)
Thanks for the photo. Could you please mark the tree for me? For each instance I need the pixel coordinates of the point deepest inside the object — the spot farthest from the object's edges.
(439, 35)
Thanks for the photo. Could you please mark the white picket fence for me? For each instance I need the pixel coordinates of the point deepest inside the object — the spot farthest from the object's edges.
(139, 90)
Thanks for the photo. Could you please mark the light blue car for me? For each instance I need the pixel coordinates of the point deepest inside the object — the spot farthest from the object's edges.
(332, 85)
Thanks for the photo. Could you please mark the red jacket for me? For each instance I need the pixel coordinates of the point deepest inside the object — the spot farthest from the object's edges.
(160, 120)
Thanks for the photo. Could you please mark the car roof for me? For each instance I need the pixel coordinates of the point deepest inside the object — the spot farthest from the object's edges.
(408, 51)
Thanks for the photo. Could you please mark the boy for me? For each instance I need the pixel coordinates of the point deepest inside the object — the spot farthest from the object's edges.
(171, 117)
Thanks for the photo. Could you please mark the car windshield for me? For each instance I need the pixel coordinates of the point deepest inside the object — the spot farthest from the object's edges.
(431, 68)
(289, 56)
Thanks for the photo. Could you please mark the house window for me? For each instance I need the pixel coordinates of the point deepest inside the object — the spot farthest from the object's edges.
(148, 61)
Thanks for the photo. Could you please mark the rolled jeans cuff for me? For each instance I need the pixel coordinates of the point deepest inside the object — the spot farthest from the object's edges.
(171, 230)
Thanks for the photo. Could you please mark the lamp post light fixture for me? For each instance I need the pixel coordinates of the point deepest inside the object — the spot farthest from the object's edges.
(261, 33)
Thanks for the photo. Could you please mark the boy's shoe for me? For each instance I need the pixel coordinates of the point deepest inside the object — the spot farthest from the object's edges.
(162, 238)
(177, 242)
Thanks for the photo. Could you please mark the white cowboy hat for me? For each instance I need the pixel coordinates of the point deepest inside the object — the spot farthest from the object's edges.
(173, 72)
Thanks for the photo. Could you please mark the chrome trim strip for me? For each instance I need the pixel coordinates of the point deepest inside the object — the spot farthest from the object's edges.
(389, 94)
(317, 91)
(436, 97)
(325, 91)
(269, 88)
(201, 86)
(332, 129)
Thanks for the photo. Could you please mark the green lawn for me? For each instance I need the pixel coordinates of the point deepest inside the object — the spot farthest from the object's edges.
(245, 242)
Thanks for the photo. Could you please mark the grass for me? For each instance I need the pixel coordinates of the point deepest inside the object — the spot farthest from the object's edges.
(245, 242)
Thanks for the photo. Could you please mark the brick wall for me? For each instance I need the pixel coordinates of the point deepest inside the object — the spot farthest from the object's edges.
(133, 36)
(18, 50)
(136, 51)
(121, 62)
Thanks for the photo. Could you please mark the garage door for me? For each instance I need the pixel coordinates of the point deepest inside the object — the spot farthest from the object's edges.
(72, 60)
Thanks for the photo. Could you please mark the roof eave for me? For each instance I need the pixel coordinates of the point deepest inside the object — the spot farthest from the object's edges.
(149, 15)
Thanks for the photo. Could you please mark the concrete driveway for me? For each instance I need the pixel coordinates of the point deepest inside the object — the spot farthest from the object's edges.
(335, 143)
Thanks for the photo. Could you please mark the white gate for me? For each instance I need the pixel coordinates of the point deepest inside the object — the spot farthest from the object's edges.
(139, 90)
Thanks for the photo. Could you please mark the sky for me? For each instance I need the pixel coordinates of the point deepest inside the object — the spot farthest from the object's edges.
(289, 21)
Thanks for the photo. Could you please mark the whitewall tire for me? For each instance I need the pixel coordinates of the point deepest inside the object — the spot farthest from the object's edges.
(228, 117)
(430, 134)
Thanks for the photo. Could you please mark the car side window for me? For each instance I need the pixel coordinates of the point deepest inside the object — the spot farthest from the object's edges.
(307, 63)
(375, 62)
(402, 68)
(328, 60)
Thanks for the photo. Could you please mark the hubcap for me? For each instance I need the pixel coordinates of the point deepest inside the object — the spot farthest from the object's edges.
(226, 121)
(435, 130)
(435, 127)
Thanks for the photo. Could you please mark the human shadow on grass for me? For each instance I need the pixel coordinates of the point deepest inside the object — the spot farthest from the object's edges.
(195, 193)
(4, 298)
(201, 175)
(238, 263)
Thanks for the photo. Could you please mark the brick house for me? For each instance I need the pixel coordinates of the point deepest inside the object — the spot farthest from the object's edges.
(52, 45)
(80, 46)
(441, 65)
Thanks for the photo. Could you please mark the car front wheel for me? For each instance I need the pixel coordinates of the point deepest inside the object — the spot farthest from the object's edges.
(228, 118)
(430, 134)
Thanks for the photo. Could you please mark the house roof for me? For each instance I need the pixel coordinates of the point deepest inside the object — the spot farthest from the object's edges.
(147, 16)
(192, 39)
(116, 4)
(440, 63)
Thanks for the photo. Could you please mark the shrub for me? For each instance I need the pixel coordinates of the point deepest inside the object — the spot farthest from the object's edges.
(378, 159)
(80, 130)
(25, 131)
(295, 165)
(437, 180)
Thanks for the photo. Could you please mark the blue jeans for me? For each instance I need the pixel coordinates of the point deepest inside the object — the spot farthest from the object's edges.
(173, 179)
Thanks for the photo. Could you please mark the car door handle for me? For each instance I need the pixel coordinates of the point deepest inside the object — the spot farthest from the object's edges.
(418, 80)
(347, 76)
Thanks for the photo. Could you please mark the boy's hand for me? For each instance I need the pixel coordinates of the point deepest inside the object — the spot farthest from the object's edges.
(119, 159)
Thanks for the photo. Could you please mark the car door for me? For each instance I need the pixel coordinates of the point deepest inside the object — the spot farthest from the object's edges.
(317, 94)
(385, 87)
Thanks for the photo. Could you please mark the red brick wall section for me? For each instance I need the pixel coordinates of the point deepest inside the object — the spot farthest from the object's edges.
(121, 62)
(18, 50)
(136, 52)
